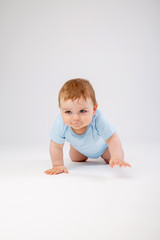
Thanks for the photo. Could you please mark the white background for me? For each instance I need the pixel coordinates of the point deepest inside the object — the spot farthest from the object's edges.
(115, 45)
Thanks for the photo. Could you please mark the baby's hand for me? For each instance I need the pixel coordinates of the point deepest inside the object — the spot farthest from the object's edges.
(56, 170)
(119, 162)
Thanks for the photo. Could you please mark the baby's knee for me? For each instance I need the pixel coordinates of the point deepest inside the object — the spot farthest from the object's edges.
(76, 156)
(79, 160)
(106, 160)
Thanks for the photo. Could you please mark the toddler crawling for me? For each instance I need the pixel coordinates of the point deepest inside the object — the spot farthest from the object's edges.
(84, 126)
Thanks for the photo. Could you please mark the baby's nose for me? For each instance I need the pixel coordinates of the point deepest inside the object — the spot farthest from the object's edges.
(75, 117)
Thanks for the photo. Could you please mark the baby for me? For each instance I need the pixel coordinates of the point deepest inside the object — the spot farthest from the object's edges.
(83, 125)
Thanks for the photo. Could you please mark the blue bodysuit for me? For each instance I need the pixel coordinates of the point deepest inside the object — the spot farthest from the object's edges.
(92, 142)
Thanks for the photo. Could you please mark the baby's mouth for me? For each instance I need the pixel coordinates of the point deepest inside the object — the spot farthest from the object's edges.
(76, 124)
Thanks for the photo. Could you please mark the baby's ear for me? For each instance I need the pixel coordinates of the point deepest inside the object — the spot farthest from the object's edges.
(95, 108)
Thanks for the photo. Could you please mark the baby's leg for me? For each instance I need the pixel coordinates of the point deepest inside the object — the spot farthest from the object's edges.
(106, 155)
(76, 156)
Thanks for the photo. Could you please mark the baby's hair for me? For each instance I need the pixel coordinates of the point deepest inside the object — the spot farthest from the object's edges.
(76, 88)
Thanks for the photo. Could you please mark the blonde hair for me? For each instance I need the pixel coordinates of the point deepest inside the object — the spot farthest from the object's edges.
(76, 88)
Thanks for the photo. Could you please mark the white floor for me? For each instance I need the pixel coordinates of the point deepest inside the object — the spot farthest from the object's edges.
(92, 202)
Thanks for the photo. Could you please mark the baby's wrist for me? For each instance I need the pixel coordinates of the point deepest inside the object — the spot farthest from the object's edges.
(58, 165)
(115, 158)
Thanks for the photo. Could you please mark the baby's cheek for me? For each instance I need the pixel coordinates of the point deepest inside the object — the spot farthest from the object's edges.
(87, 120)
(66, 120)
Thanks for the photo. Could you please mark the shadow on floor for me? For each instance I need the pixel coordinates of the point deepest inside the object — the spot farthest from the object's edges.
(98, 170)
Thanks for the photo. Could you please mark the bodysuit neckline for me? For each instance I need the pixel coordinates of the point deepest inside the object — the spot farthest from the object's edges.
(82, 133)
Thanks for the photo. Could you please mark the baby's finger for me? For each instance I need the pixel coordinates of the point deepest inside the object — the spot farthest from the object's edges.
(48, 171)
(128, 165)
(55, 172)
(52, 172)
(58, 171)
(111, 163)
(116, 162)
(120, 163)
(65, 170)
(124, 164)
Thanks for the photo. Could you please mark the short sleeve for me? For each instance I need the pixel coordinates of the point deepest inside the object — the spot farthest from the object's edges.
(103, 126)
(57, 132)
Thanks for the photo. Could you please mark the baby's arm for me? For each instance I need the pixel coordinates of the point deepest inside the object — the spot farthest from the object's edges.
(56, 154)
(116, 151)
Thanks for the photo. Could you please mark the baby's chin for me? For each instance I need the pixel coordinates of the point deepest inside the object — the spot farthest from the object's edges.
(77, 126)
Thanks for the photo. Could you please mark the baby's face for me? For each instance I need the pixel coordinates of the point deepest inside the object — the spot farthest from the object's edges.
(78, 113)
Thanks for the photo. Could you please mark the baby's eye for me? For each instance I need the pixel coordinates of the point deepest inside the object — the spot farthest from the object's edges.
(83, 111)
(68, 112)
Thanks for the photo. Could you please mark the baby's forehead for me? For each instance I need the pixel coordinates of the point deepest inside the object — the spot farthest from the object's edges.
(79, 102)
